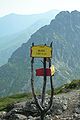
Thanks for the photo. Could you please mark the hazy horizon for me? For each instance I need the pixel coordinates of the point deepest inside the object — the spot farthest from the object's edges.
(30, 13)
(28, 7)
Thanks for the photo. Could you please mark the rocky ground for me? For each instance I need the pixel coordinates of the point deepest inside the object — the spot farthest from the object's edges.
(66, 106)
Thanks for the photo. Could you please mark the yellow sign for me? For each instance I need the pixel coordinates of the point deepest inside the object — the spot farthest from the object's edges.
(41, 51)
(52, 70)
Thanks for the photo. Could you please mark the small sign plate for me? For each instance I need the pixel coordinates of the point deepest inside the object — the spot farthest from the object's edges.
(52, 70)
(40, 72)
(41, 51)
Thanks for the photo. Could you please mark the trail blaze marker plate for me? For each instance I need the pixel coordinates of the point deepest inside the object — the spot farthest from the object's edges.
(52, 70)
(40, 72)
(41, 51)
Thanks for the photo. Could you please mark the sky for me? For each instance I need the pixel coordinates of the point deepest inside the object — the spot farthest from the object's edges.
(36, 6)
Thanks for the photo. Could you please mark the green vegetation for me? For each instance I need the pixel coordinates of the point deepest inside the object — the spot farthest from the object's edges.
(4, 102)
(75, 84)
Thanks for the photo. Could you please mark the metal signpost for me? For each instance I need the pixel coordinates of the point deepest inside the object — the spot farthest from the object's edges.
(44, 52)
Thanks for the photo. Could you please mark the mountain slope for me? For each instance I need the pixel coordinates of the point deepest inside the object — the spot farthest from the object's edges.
(64, 31)
(9, 44)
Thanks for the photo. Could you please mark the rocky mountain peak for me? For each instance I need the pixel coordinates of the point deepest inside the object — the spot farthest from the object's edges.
(64, 32)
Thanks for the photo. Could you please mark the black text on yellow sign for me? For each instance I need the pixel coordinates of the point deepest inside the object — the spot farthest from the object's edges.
(41, 51)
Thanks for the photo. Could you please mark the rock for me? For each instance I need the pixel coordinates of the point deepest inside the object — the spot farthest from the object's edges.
(31, 109)
(64, 102)
(64, 107)
(48, 117)
(77, 110)
(30, 118)
(2, 114)
(14, 111)
(57, 108)
(19, 117)
(56, 117)
(76, 116)
(20, 105)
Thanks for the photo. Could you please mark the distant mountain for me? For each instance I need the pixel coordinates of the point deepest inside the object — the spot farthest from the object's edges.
(17, 29)
(14, 23)
(64, 31)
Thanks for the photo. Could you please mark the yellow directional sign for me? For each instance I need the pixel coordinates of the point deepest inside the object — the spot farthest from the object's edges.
(52, 70)
(41, 51)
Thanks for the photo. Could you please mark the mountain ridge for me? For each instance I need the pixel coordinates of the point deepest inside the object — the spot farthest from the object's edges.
(65, 33)
(16, 23)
